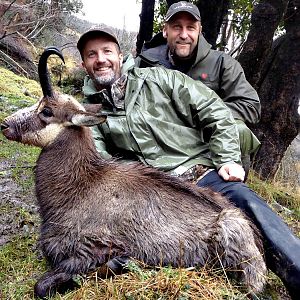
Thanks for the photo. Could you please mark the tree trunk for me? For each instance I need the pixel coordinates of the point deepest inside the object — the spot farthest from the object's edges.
(264, 21)
(146, 24)
(170, 2)
(279, 93)
(212, 14)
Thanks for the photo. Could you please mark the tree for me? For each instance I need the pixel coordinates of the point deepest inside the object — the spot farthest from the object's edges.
(23, 23)
(31, 17)
(271, 65)
(146, 24)
(274, 70)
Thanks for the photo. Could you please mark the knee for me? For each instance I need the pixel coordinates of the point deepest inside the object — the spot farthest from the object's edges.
(248, 141)
(242, 196)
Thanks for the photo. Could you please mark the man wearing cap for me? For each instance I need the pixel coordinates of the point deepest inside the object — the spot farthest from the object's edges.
(181, 46)
(155, 115)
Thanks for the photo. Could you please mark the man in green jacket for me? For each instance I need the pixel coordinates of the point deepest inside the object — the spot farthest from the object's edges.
(181, 46)
(157, 116)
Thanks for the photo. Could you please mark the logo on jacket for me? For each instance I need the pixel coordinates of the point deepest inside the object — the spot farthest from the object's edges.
(204, 76)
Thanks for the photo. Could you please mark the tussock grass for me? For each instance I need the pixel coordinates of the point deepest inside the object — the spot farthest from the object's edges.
(159, 283)
(284, 199)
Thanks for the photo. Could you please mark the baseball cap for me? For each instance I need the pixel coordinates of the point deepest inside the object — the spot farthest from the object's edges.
(183, 6)
(94, 32)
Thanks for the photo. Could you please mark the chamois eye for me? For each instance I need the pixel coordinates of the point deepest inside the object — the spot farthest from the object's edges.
(47, 112)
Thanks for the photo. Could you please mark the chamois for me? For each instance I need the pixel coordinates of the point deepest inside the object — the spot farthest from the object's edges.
(93, 210)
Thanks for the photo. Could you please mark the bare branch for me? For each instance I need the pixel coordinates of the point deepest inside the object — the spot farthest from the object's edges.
(7, 9)
(14, 62)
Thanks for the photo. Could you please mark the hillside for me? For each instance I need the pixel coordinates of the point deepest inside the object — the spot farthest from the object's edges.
(20, 55)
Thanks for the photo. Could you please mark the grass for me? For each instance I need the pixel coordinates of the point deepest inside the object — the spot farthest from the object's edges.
(276, 192)
(21, 263)
(284, 199)
(20, 161)
(161, 283)
(19, 268)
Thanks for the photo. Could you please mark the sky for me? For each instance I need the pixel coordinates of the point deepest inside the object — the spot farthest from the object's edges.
(114, 13)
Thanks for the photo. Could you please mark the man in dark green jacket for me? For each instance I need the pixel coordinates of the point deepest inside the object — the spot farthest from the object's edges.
(181, 46)
(156, 116)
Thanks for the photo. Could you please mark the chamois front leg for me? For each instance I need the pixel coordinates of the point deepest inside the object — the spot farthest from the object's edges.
(53, 281)
(109, 258)
(60, 277)
(48, 284)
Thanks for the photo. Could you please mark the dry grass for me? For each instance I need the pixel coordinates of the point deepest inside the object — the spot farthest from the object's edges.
(159, 283)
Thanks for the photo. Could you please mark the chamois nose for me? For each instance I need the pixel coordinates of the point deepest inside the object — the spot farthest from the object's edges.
(3, 126)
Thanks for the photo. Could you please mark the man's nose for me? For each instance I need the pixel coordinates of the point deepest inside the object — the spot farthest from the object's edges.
(184, 33)
(101, 57)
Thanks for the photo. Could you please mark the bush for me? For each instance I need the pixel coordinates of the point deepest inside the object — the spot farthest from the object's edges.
(72, 83)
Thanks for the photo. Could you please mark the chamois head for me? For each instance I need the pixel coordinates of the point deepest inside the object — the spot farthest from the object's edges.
(40, 124)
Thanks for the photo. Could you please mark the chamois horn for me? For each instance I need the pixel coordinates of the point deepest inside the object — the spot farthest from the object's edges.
(44, 77)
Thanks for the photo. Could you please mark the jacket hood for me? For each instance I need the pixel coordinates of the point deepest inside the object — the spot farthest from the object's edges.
(89, 87)
(202, 48)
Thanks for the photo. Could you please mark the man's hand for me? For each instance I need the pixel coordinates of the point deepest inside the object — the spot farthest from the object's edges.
(232, 172)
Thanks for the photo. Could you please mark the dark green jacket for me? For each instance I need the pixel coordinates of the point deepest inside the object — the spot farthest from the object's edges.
(165, 112)
(218, 71)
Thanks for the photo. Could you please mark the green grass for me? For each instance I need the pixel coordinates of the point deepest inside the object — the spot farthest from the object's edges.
(277, 193)
(20, 160)
(19, 268)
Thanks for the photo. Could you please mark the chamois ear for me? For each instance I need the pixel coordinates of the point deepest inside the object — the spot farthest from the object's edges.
(88, 119)
(93, 108)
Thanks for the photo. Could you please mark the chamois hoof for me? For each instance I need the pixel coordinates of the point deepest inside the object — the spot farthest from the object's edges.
(53, 282)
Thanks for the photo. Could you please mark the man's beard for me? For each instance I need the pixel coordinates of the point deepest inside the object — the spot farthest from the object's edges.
(107, 80)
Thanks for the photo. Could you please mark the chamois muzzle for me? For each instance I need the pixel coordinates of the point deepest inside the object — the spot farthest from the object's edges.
(3, 126)
(44, 77)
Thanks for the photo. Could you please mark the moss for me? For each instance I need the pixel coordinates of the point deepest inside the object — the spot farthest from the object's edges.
(14, 85)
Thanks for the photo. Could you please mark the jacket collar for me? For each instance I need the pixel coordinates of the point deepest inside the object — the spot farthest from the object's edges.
(203, 49)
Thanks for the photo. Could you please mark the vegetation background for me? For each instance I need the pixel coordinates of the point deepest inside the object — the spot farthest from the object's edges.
(26, 27)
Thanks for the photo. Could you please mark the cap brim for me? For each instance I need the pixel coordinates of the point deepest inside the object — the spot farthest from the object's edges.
(94, 33)
(167, 18)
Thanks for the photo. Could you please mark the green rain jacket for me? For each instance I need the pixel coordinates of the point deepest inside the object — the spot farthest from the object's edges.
(161, 125)
(220, 72)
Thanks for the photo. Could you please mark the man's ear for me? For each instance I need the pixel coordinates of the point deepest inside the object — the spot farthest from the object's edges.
(165, 35)
(200, 28)
(121, 59)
